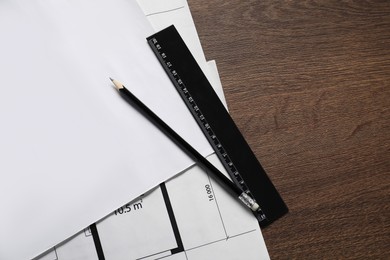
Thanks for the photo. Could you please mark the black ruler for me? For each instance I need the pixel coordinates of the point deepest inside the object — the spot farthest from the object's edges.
(216, 123)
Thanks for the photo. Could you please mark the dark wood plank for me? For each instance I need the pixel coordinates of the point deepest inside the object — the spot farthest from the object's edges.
(308, 83)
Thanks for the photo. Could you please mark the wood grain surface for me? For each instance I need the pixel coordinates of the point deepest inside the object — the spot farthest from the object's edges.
(308, 84)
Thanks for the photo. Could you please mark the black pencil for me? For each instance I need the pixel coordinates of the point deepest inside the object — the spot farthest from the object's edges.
(186, 147)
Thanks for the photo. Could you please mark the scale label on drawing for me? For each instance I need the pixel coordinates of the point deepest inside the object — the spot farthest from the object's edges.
(209, 192)
(129, 208)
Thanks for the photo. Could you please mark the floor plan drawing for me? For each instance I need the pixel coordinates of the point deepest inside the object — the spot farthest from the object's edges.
(188, 217)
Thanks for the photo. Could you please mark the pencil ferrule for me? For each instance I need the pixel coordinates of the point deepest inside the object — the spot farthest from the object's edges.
(249, 202)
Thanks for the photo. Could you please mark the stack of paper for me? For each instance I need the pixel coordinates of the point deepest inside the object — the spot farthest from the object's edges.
(69, 141)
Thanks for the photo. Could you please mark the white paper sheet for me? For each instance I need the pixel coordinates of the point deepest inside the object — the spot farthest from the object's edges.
(68, 142)
(210, 224)
(222, 231)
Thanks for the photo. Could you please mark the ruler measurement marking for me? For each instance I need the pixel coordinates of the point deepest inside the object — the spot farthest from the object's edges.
(217, 146)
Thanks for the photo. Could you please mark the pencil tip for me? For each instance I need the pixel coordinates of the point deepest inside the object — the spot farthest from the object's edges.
(117, 85)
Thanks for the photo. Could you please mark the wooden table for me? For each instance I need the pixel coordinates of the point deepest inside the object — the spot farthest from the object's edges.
(308, 83)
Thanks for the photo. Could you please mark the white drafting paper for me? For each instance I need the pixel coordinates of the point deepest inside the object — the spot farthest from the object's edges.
(71, 149)
(208, 229)
(231, 235)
